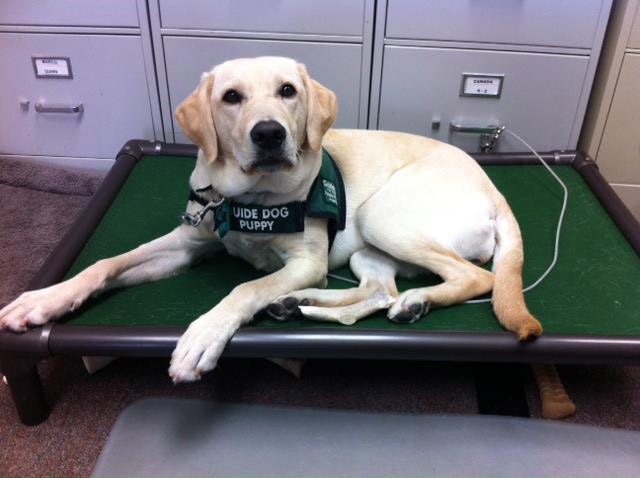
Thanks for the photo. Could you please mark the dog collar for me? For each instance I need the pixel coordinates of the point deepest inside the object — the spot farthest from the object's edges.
(326, 199)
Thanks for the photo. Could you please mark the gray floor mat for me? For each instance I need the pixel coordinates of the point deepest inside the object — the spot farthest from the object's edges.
(175, 437)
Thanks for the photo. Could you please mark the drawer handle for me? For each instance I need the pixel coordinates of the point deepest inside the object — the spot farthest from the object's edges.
(458, 128)
(68, 109)
(489, 135)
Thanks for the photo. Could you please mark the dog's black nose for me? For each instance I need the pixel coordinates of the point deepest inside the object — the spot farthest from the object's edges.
(268, 134)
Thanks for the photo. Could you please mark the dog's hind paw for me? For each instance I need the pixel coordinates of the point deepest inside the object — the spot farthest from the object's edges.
(286, 308)
(408, 314)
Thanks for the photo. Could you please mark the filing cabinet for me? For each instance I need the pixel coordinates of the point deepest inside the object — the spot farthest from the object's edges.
(634, 36)
(332, 38)
(429, 99)
(537, 60)
(89, 115)
(134, 61)
(78, 80)
(336, 66)
(611, 132)
(619, 153)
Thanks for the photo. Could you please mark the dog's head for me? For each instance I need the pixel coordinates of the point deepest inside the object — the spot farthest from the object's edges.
(260, 113)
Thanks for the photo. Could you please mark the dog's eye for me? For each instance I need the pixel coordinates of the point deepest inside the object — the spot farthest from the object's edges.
(232, 96)
(287, 91)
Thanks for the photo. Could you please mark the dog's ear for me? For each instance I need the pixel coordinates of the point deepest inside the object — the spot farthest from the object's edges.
(322, 109)
(195, 118)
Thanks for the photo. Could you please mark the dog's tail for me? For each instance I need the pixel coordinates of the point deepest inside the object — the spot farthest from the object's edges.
(508, 298)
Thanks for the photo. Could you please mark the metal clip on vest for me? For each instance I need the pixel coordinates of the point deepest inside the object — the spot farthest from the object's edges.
(195, 219)
(489, 135)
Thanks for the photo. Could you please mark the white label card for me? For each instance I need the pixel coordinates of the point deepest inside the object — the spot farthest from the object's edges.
(481, 85)
(58, 67)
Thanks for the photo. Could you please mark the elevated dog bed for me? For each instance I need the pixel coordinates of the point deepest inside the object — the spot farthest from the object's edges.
(589, 305)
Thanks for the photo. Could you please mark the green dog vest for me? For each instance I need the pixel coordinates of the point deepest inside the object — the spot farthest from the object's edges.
(326, 199)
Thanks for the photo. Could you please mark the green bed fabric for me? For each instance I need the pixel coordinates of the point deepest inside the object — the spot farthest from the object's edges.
(594, 289)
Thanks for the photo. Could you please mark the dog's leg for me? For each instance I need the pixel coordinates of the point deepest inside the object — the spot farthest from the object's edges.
(462, 281)
(349, 314)
(202, 344)
(327, 297)
(333, 305)
(160, 258)
(377, 290)
(288, 306)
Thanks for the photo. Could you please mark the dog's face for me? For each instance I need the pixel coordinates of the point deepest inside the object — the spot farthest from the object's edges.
(260, 113)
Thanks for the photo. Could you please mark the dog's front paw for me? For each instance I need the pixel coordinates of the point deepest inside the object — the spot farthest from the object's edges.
(199, 349)
(38, 307)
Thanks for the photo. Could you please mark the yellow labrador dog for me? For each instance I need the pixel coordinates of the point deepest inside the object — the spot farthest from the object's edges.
(412, 203)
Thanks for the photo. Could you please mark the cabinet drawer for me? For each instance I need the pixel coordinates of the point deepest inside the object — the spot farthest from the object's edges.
(568, 23)
(337, 66)
(108, 81)
(98, 13)
(619, 153)
(634, 37)
(329, 17)
(420, 85)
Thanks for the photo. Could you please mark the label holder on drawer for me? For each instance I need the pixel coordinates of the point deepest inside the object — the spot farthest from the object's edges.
(52, 67)
(481, 85)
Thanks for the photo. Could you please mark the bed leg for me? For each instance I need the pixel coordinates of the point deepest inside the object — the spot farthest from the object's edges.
(26, 389)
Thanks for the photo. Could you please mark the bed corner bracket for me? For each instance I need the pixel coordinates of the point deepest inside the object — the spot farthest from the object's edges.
(582, 160)
(137, 148)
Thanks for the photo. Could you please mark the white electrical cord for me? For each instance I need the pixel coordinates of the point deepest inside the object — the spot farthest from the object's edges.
(558, 229)
(345, 279)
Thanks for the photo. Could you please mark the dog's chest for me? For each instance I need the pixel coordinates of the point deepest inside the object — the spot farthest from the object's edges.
(257, 249)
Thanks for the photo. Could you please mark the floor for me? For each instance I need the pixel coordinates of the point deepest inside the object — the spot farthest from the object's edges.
(84, 407)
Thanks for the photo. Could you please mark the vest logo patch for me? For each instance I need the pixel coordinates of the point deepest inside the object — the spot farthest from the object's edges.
(259, 219)
(330, 194)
